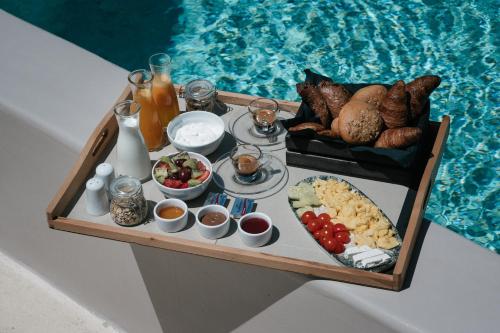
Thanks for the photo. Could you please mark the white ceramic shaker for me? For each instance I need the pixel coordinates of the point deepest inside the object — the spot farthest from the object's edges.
(132, 157)
(96, 197)
(106, 173)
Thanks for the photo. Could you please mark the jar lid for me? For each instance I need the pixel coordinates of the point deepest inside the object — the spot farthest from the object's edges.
(199, 89)
(124, 186)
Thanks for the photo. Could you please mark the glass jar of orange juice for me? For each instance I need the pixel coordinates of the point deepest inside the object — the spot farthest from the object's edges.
(149, 121)
(163, 90)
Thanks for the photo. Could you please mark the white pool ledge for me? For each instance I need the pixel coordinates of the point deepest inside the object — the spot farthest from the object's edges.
(64, 90)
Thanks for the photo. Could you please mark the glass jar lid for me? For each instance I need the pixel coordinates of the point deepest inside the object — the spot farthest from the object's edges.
(124, 186)
(199, 89)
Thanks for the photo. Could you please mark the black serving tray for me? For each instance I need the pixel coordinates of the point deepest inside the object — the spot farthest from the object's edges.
(308, 149)
(363, 169)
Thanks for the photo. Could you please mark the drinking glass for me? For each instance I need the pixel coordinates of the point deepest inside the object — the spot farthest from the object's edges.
(163, 91)
(150, 122)
(247, 161)
(264, 113)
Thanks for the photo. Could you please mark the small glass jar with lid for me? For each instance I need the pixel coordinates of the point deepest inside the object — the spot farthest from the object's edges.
(128, 206)
(200, 95)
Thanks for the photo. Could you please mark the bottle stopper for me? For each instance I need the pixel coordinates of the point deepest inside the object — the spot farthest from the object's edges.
(97, 202)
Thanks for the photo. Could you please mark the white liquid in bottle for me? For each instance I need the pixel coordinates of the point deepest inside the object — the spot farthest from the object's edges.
(132, 154)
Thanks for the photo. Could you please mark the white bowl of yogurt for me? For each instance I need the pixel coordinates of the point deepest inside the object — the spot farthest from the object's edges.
(196, 131)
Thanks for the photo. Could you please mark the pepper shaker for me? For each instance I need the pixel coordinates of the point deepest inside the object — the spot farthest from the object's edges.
(106, 173)
(96, 197)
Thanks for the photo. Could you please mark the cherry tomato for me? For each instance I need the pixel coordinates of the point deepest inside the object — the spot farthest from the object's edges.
(307, 217)
(339, 248)
(330, 244)
(322, 223)
(327, 232)
(343, 237)
(317, 234)
(324, 217)
(338, 227)
(329, 226)
(314, 225)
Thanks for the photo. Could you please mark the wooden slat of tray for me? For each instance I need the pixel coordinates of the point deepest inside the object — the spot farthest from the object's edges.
(102, 140)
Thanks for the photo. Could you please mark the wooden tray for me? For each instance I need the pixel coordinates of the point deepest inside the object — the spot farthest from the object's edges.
(101, 143)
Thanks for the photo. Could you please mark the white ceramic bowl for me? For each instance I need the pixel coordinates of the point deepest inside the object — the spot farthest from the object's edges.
(215, 231)
(185, 193)
(255, 240)
(214, 122)
(171, 225)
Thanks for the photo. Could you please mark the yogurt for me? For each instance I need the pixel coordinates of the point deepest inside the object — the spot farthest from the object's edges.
(195, 134)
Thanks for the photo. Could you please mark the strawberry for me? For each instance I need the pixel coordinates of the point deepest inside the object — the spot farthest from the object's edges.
(172, 183)
(204, 176)
(163, 165)
(200, 166)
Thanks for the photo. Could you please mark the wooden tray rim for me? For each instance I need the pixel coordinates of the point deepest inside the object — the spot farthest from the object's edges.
(103, 135)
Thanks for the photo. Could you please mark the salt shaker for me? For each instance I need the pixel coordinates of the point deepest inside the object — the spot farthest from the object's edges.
(106, 173)
(96, 197)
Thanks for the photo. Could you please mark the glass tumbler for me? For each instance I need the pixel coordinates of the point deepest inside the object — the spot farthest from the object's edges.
(264, 113)
(247, 161)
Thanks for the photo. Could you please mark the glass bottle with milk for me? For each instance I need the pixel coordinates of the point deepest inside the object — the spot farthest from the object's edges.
(132, 157)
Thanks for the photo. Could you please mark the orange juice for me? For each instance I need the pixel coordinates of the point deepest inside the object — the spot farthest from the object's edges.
(149, 121)
(164, 97)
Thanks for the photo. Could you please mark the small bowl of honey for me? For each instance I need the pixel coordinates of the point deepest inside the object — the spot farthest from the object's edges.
(171, 215)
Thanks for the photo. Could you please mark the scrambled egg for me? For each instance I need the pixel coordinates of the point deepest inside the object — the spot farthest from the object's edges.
(365, 220)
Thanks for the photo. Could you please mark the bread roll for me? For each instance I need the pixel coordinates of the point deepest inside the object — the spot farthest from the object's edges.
(394, 107)
(373, 94)
(359, 123)
(335, 96)
(314, 126)
(335, 127)
(312, 96)
(398, 137)
(420, 90)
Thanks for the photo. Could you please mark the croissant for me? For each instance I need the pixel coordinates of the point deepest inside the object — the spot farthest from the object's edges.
(394, 109)
(335, 96)
(398, 137)
(314, 126)
(373, 94)
(312, 96)
(419, 90)
(359, 123)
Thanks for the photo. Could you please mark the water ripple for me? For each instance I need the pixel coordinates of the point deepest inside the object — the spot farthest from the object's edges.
(261, 48)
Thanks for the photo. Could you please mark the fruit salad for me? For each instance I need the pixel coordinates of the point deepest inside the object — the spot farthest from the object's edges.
(180, 171)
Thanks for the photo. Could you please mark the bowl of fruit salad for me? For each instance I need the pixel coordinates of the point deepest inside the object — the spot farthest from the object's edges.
(183, 176)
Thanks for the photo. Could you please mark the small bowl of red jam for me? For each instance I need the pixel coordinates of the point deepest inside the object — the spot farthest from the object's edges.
(255, 229)
(212, 221)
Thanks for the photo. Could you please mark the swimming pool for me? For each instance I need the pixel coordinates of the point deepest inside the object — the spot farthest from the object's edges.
(261, 47)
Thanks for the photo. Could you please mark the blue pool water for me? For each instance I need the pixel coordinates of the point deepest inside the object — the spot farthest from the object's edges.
(261, 47)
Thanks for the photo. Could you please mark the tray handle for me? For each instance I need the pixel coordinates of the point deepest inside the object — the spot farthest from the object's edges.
(99, 142)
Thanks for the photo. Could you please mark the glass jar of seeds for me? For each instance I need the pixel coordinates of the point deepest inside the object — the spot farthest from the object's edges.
(200, 95)
(128, 205)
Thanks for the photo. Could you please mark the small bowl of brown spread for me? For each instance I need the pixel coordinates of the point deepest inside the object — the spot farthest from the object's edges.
(212, 221)
(171, 215)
